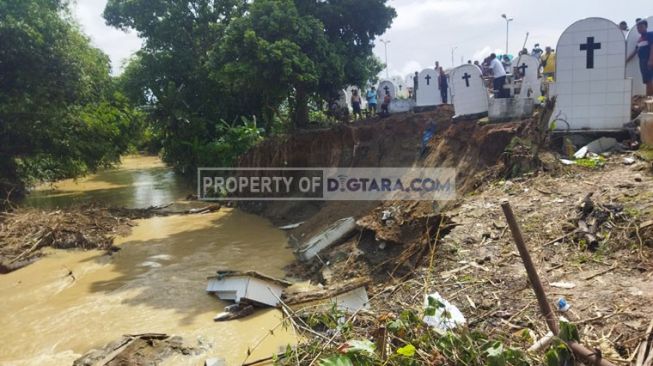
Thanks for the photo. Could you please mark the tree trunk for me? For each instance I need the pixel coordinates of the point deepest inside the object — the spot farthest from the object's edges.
(300, 117)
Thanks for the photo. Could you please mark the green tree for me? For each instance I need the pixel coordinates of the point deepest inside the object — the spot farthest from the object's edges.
(59, 116)
(206, 64)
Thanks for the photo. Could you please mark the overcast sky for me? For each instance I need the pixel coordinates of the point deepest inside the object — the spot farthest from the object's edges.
(427, 30)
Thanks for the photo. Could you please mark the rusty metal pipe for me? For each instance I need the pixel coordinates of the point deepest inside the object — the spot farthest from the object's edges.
(582, 353)
(545, 307)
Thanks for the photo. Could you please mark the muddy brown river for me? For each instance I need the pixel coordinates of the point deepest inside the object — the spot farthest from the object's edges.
(155, 283)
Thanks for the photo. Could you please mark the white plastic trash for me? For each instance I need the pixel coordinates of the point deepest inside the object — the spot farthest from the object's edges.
(446, 317)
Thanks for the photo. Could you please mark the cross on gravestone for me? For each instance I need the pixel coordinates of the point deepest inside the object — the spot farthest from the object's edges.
(466, 77)
(522, 68)
(511, 88)
(590, 47)
(386, 88)
(400, 86)
(428, 79)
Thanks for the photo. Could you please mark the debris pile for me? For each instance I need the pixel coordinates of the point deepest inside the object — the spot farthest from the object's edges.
(25, 232)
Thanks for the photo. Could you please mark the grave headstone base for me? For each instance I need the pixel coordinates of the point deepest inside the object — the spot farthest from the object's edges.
(505, 109)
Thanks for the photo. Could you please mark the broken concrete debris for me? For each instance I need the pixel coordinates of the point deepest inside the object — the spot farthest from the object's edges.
(235, 311)
(247, 287)
(598, 146)
(350, 297)
(338, 231)
(253, 289)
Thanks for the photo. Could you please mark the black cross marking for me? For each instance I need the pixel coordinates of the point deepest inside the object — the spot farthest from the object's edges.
(522, 68)
(400, 87)
(590, 47)
(428, 79)
(386, 88)
(466, 77)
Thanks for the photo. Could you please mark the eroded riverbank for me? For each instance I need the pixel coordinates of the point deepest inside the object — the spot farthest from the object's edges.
(69, 302)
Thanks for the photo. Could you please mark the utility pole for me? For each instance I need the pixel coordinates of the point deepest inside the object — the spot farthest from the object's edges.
(453, 62)
(508, 20)
(385, 43)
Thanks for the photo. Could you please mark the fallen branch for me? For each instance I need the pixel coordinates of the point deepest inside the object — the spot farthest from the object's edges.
(600, 273)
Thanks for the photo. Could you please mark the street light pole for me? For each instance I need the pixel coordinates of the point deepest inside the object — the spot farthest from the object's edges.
(508, 20)
(385, 43)
(453, 62)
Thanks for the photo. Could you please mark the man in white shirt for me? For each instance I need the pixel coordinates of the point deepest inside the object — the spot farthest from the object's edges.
(499, 77)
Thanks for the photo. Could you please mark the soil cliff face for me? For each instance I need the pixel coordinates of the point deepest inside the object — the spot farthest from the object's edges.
(390, 142)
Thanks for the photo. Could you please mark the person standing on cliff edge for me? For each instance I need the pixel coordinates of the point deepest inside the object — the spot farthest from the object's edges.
(645, 53)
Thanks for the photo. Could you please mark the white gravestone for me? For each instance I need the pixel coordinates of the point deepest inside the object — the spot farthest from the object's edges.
(361, 93)
(343, 99)
(385, 85)
(632, 68)
(591, 86)
(468, 93)
(428, 93)
(402, 88)
(527, 66)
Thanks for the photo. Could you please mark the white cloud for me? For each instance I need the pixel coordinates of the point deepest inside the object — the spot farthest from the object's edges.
(117, 44)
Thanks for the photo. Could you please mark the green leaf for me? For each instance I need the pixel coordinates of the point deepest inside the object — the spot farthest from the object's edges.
(496, 355)
(361, 347)
(569, 332)
(339, 360)
(407, 350)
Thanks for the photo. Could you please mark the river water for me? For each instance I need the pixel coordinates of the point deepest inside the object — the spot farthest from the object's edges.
(155, 283)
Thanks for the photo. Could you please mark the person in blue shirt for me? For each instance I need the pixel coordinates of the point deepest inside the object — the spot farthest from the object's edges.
(371, 101)
(645, 53)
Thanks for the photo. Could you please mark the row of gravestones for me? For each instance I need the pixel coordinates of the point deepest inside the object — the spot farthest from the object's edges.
(593, 85)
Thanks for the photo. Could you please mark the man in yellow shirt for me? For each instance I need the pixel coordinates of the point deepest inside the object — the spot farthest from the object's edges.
(549, 63)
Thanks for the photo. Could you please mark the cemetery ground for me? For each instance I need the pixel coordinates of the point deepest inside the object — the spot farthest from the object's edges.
(464, 250)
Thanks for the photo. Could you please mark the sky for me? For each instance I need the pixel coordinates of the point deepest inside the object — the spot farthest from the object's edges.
(427, 30)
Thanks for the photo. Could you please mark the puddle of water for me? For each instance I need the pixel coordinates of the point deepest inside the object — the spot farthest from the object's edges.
(71, 301)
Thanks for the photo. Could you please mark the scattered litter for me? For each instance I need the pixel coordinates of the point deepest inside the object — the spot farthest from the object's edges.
(567, 162)
(566, 285)
(563, 305)
(446, 316)
(248, 287)
(333, 234)
(386, 215)
(541, 343)
(291, 226)
(598, 146)
(629, 161)
(581, 153)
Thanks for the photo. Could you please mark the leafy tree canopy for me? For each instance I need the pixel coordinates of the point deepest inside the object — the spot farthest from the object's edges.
(60, 115)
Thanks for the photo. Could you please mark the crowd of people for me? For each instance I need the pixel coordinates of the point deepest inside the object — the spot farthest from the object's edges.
(496, 68)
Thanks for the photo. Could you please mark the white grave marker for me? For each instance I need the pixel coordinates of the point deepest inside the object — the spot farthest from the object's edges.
(528, 66)
(385, 86)
(468, 93)
(428, 93)
(402, 88)
(361, 93)
(632, 68)
(591, 86)
(343, 99)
